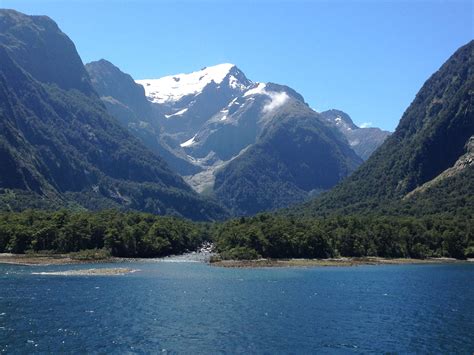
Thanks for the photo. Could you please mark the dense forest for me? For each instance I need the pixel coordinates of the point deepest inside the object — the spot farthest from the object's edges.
(273, 236)
(122, 234)
(134, 234)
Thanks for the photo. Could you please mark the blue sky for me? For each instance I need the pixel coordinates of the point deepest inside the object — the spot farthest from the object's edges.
(368, 58)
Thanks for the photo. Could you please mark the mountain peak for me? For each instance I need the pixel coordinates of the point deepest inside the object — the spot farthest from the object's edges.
(223, 67)
(339, 118)
(102, 65)
(172, 88)
(56, 60)
(110, 82)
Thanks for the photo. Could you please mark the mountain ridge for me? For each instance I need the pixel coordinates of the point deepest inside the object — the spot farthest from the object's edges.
(126, 101)
(363, 140)
(59, 142)
(232, 131)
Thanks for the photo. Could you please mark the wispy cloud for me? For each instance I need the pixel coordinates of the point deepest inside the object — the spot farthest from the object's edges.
(365, 125)
(277, 100)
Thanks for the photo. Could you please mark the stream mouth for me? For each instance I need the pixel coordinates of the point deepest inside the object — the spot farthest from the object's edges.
(191, 257)
(202, 255)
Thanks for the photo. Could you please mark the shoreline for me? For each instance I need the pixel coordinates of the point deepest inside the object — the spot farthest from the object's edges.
(338, 262)
(47, 259)
(66, 259)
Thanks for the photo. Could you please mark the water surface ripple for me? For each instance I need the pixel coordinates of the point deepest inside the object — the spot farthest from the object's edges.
(176, 307)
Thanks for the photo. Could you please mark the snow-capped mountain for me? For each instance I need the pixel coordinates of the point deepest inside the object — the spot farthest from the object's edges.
(215, 110)
(206, 120)
(187, 101)
(240, 122)
(173, 88)
(211, 115)
(215, 114)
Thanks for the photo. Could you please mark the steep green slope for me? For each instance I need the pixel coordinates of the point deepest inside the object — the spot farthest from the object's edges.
(59, 146)
(431, 136)
(451, 191)
(297, 155)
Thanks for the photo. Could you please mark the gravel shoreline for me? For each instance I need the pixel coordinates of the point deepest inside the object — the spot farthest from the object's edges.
(55, 259)
(65, 259)
(331, 262)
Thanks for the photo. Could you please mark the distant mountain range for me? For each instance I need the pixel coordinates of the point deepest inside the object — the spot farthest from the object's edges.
(215, 127)
(213, 143)
(59, 147)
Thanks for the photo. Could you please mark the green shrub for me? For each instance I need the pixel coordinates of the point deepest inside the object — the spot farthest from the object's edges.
(91, 254)
(469, 252)
(240, 253)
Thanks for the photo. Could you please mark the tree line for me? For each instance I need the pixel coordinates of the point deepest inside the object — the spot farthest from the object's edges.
(125, 234)
(135, 234)
(273, 236)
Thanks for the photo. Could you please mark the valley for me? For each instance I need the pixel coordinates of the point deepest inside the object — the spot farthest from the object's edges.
(278, 177)
(93, 159)
(207, 122)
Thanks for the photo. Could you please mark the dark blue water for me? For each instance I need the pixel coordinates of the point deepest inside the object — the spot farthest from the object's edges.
(195, 308)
